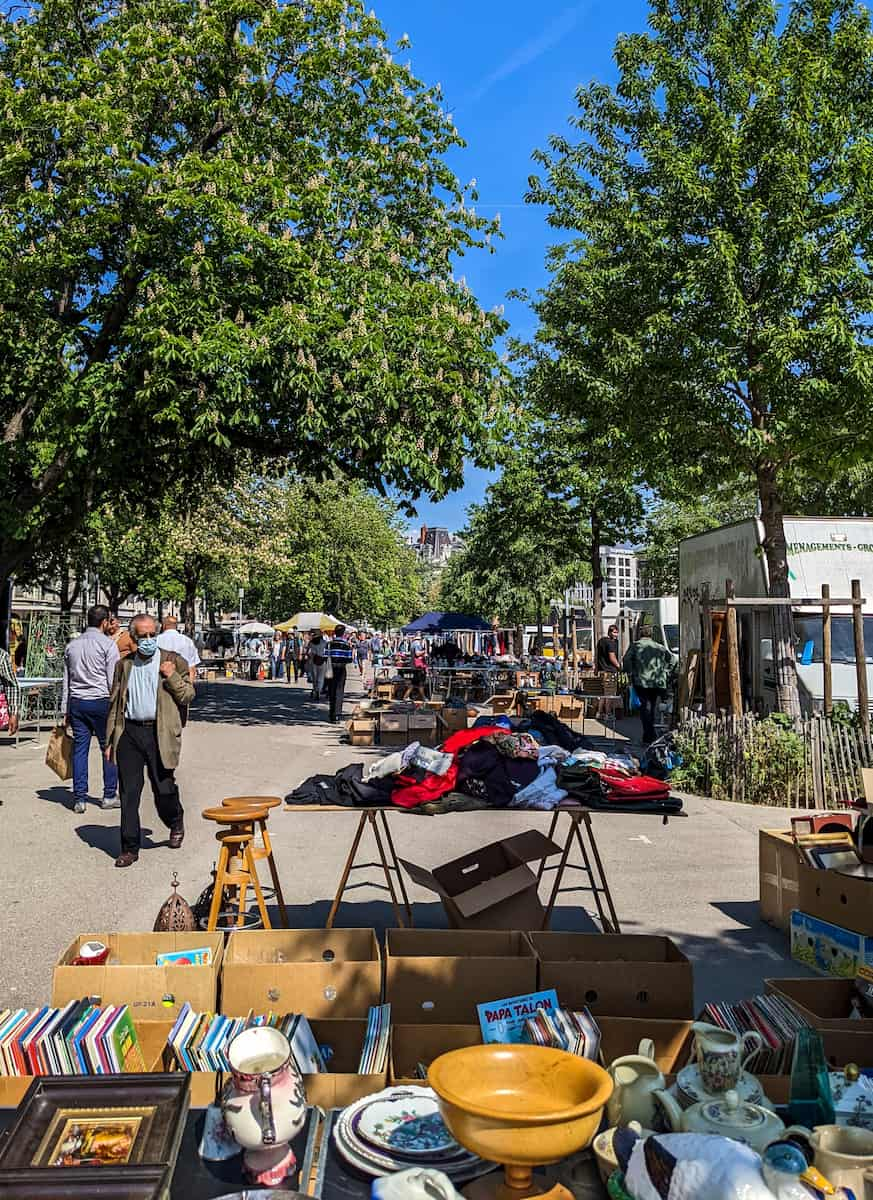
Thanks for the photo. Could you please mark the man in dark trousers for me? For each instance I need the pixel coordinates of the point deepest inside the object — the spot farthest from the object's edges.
(651, 667)
(340, 653)
(144, 732)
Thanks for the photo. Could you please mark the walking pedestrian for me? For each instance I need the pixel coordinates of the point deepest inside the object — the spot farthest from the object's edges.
(317, 662)
(150, 691)
(89, 670)
(11, 691)
(293, 655)
(172, 638)
(277, 656)
(340, 652)
(650, 667)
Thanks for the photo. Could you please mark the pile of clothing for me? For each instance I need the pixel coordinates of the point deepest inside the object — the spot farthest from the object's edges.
(532, 764)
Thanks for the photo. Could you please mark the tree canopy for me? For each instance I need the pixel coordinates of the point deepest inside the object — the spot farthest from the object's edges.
(226, 226)
(716, 287)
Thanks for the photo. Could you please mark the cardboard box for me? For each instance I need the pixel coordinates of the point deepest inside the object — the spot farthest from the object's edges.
(453, 719)
(828, 949)
(414, 1044)
(390, 722)
(778, 875)
(616, 975)
(438, 976)
(492, 887)
(825, 1003)
(838, 899)
(319, 972)
(362, 732)
(131, 977)
(673, 1040)
(502, 704)
(394, 739)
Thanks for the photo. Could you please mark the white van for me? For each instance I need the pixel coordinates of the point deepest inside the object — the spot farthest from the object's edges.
(661, 612)
(832, 550)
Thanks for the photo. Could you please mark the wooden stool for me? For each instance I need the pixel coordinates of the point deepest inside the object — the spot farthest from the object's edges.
(265, 850)
(236, 844)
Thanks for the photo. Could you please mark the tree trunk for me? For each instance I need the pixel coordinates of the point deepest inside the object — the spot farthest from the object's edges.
(114, 596)
(518, 641)
(776, 552)
(68, 593)
(189, 603)
(596, 584)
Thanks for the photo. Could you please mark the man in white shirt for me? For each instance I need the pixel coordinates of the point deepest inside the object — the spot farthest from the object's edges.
(171, 639)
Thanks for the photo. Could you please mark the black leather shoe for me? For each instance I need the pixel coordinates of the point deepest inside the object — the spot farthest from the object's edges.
(177, 834)
(126, 859)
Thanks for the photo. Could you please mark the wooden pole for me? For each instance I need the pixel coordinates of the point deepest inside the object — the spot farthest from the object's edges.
(860, 657)
(733, 649)
(827, 669)
(574, 651)
(706, 639)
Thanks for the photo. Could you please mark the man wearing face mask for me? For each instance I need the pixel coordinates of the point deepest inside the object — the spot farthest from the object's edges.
(144, 731)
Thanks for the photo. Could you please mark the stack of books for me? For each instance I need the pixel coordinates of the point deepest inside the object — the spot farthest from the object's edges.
(81, 1039)
(199, 1041)
(777, 1021)
(565, 1030)
(374, 1056)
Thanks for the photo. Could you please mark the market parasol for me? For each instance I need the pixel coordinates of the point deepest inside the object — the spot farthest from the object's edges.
(255, 627)
(447, 622)
(306, 621)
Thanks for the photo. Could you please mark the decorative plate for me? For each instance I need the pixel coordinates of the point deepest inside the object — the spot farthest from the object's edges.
(404, 1123)
(394, 1161)
(690, 1086)
(458, 1175)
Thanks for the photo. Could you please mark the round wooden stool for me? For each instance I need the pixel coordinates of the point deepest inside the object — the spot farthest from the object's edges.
(236, 860)
(265, 849)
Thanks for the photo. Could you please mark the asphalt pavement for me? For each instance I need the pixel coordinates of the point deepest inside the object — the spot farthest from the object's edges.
(694, 879)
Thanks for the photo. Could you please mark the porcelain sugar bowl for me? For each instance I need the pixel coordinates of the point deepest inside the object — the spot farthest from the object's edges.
(264, 1104)
(728, 1116)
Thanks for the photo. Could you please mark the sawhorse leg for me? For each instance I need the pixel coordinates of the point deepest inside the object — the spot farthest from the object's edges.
(387, 863)
(591, 867)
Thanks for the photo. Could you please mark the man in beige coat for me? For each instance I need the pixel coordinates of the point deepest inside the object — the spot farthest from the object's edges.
(144, 732)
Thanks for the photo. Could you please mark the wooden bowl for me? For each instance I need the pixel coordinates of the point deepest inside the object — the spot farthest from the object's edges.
(522, 1106)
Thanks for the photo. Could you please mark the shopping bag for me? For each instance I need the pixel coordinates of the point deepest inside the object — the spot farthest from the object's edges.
(59, 755)
(633, 699)
(4, 711)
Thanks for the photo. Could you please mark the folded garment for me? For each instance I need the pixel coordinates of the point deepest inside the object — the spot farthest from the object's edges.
(553, 754)
(621, 762)
(346, 788)
(493, 777)
(391, 764)
(555, 731)
(586, 758)
(436, 761)
(543, 793)
(516, 745)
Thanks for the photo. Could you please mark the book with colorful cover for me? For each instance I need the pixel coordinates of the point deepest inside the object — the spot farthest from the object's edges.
(128, 1052)
(505, 1020)
(201, 957)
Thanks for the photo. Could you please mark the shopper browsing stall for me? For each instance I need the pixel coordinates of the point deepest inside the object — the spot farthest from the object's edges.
(340, 652)
(650, 667)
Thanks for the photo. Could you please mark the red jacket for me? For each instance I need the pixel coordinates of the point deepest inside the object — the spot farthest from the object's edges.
(409, 793)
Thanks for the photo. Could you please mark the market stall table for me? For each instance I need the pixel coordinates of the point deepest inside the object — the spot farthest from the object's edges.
(579, 830)
(37, 688)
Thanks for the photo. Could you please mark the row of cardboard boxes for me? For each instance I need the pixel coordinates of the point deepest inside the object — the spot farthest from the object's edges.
(427, 975)
(828, 915)
(428, 723)
(413, 1046)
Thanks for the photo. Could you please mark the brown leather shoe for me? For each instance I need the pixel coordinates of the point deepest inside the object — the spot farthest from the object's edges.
(177, 834)
(126, 859)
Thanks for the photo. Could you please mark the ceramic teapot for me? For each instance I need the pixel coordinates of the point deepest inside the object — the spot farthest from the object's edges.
(844, 1155)
(636, 1079)
(728, 1116)
(264, 1104)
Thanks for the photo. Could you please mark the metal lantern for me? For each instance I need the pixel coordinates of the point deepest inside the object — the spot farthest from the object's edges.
(175, 915)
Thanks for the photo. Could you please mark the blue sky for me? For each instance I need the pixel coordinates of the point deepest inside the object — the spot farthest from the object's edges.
(509, 70)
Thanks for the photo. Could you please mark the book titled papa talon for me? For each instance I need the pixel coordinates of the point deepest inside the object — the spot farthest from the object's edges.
(504, 1020)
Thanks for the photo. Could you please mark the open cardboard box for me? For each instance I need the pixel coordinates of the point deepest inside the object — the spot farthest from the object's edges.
(152, 1037)
(492, 887)
(674, 1041)
(321, 972)
(824, 1003)
(616, 975)
(778, 876)
(153, 993)
(414, 1044)
(838, 899)
(335, 1088)
(438, 976)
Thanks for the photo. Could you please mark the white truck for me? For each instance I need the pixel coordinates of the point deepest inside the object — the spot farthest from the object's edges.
(661, 612)
(832, 550)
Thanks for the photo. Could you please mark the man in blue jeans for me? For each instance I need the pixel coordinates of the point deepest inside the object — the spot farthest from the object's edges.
(89, 669)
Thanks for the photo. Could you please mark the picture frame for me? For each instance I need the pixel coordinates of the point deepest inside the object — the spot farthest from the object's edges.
(836, 857)
(66, 1125)
(86, 1183)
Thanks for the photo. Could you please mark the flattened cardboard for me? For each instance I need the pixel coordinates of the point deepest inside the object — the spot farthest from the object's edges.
(413, 1044)
(492, 887)
(153, 993)
(778, 877)
(319, 972)
(824, 1003)
(586, 970)
(838, 899)
(438, 976)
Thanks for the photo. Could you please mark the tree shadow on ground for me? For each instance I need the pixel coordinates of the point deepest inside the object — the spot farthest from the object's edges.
(266, 703)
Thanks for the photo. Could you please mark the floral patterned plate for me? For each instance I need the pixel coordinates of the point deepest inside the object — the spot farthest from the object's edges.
(404, 1121)
(691, 1088)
